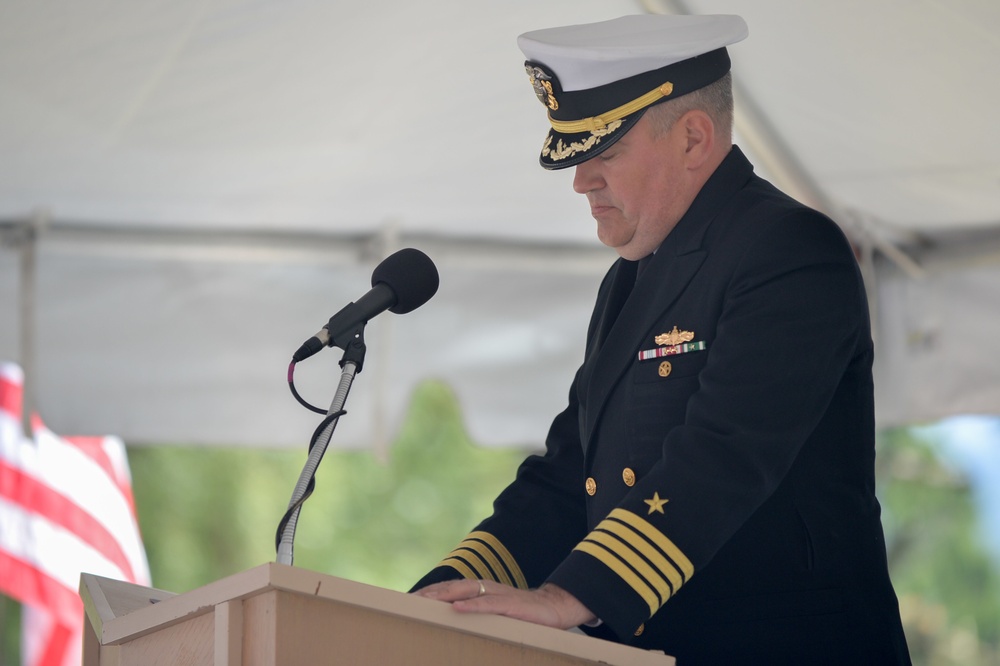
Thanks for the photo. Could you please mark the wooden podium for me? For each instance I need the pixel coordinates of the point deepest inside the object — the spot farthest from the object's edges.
(277, 615)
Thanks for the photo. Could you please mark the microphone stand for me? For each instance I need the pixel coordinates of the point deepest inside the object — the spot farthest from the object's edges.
(351, 364)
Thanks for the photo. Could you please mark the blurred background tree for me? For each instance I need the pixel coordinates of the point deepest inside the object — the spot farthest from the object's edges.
(206, 513)
(947, 581)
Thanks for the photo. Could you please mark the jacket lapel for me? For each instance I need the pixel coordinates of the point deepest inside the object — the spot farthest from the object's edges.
(623, 332)
(661, 283)
(621, 287)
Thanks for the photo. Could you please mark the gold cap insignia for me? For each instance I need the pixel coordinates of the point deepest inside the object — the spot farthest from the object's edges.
(541, 82)
(674, 337)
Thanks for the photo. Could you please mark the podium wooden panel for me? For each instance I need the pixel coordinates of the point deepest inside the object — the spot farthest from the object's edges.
(279, 615)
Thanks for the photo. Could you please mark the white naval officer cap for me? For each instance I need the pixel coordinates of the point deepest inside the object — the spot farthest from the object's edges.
(597, 79)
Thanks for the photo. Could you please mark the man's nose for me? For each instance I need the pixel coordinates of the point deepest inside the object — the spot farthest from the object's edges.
(587, 178)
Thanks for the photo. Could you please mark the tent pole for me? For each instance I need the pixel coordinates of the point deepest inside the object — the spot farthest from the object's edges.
(28, 299)
(389, 242)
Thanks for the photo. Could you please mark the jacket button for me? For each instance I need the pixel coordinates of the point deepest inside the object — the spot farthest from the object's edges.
(591, 485)
(628, 476)
(638, 632)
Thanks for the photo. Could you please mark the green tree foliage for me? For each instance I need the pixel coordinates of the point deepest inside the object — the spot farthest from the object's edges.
(948, 586)
(207, 513)
(388, 524)
(10, 624)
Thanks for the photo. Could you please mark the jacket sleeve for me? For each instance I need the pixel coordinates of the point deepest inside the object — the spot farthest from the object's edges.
(536, 520)
(539, 517)
(793, 318)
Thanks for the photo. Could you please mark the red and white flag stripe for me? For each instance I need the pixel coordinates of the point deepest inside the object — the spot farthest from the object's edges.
(66, 507)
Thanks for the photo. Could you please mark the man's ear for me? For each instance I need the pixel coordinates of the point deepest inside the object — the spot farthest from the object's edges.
(699, 132)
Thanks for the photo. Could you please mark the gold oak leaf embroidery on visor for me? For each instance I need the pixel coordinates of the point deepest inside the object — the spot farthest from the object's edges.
(562, 151)
(641, 555)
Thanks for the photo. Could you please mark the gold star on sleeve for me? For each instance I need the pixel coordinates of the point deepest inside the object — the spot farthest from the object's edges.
(656, 504)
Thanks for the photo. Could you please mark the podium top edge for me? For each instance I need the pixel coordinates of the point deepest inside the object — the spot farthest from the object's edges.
(138, 611)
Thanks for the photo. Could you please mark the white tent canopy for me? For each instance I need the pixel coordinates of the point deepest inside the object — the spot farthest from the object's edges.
(209, 181)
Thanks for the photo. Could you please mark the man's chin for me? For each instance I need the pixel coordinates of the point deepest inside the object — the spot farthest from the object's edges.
(615, 241)
(628, 252)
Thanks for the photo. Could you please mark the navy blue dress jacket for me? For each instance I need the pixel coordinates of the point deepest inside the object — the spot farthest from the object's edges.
(709, 490)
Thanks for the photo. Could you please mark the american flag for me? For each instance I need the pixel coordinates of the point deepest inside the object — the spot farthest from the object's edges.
(66, 507)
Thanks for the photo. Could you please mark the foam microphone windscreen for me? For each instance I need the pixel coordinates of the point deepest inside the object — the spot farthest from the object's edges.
(411, 275)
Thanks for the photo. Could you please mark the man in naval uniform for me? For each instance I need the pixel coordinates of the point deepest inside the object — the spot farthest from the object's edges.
(709, 490)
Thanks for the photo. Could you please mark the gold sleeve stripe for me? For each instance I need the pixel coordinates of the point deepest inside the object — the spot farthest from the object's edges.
(612, 562)
(657, 538)
(623, 550)
(653, 579)
(459, 566)
(659, 562)
(481, 555)
(505, 556)
(483, 552)
(477, 563)
(640, 555)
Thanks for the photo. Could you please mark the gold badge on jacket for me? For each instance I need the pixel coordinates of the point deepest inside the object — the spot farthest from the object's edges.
(674, 337)
(674, 342)
(656, 503)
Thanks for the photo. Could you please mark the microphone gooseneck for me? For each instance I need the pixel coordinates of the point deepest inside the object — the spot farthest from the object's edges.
(401, 283)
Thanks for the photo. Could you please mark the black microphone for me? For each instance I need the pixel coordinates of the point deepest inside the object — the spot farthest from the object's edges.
(403, 282)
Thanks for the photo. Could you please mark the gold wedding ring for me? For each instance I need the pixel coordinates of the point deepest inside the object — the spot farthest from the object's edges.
(482, 589)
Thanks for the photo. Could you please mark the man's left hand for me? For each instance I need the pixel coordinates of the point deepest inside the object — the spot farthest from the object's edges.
(548, 605)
